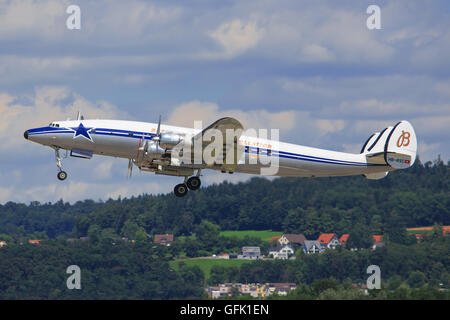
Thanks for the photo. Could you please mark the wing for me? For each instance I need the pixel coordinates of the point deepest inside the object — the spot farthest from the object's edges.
(218, 143)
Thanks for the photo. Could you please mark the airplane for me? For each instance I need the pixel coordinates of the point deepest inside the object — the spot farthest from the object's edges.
(167, 150)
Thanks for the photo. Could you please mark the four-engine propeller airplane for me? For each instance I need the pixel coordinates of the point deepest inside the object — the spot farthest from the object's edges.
(162, 149)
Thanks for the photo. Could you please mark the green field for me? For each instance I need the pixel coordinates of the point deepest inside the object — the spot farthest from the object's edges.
(206, 264)
(264, 234)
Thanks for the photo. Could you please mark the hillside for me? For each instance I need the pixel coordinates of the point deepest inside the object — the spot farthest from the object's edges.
(410, 198)
(225, 218)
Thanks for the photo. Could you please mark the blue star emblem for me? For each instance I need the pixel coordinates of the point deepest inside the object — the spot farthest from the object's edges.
(82, 131)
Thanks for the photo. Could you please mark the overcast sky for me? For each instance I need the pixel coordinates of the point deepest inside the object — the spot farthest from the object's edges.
(310, 68)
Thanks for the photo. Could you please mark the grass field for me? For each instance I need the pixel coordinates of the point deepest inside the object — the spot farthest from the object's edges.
(264, 234)
(427, 230)
(206, 264)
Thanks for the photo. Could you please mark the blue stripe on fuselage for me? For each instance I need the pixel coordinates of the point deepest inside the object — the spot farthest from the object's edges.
(149, 136)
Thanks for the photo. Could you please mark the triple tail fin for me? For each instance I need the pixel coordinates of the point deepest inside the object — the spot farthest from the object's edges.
(394, 146)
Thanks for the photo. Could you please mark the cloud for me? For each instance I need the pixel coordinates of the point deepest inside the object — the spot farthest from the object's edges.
(237, 37)
(103, 170)
(208, 112)
(26, 18)
(304, 127)
(376, 108)
(427, 151)
(316, 53)
(330, 126)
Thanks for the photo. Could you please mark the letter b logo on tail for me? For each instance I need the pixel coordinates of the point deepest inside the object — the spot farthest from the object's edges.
(403, 140)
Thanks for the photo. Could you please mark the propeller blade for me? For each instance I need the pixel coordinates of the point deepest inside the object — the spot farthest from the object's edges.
(130, 168)
(158, 130)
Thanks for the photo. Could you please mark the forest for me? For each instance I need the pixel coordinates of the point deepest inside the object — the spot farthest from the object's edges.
(113, 268)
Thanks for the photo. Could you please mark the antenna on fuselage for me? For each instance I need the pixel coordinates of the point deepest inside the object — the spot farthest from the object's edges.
(79, 116)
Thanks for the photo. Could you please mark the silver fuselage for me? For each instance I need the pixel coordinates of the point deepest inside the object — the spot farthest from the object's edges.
(124, 139)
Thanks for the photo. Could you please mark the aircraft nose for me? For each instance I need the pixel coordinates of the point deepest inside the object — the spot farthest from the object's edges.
(25, 134)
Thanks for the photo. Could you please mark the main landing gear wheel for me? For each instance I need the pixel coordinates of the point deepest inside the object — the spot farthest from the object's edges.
(62, 175)
(180, 190)
(193, 183)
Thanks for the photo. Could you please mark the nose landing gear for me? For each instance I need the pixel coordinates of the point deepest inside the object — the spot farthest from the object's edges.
(62, 175)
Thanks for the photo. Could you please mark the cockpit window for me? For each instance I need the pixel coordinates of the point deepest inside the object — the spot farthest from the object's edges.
(54, 125)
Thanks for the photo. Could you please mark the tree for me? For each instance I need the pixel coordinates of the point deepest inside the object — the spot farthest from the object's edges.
(208, 234)
(94, 233)
(140, 236)
(360, 237)
(129, 229)
(416, 279)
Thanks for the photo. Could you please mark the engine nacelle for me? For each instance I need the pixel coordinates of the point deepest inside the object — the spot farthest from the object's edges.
(154, 150)
(169, 139)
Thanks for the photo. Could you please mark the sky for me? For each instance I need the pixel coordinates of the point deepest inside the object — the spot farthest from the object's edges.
(312, 69)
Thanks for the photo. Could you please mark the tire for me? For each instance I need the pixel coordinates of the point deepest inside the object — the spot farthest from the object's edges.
(194, 183)
(62, 175)
(180, 190)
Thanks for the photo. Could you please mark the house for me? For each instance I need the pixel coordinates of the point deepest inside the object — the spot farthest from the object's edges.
(377, 238)
(219, 291)
(281, 251)
(249, 289)
(3, 243)
(254, 290)
(34, 241)
(282, 289)
(163, 239)
(311, 246)
(292, 239)
(328, 240)
(377, 242)
(250, 253)
(73, 240)
(343, 239)
(273, 239)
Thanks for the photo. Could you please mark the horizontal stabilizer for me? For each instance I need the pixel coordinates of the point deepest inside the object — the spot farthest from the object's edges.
(376, 176)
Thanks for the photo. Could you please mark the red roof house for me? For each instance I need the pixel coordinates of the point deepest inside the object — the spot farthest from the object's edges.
(328, 240)
(163, 239)
(343, 239)
(377, 238)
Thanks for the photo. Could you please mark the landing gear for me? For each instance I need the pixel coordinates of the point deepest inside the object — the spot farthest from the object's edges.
(180, 190)
(62, 175)
(192, 183)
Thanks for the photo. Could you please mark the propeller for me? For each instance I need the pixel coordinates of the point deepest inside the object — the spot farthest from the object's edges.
(145, 149)
(130, 168)
(156, 138)
(158, 131)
